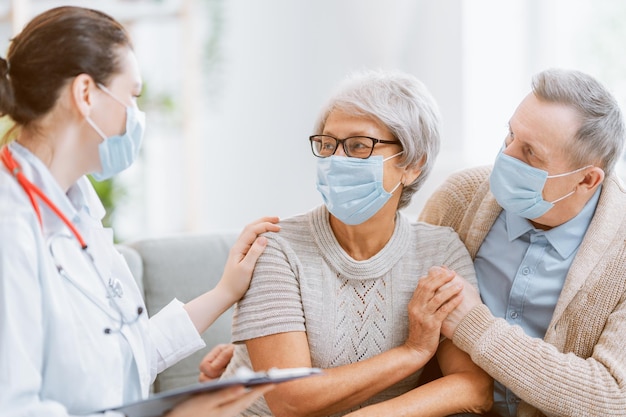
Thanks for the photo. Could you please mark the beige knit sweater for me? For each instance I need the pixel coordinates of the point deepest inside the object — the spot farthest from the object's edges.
(350, 310)
(579, 369)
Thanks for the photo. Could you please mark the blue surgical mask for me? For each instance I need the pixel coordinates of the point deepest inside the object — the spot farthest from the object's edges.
(518, 187)
(118, 152)
(352, 188)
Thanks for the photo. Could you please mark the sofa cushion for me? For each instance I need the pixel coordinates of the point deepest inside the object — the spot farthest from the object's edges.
(133, 259)
(184, 267)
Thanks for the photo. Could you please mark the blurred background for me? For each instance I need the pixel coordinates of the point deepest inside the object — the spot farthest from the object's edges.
(233, 87)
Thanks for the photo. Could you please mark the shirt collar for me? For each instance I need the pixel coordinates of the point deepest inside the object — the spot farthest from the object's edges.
(516, 225)
(564, 238)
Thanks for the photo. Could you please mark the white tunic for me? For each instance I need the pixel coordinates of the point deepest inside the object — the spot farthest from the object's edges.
(55, 358)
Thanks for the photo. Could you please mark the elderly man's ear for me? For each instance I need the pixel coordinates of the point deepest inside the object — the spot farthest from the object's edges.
(592, 179)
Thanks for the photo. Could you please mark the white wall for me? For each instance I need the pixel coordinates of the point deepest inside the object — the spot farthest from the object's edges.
(234, 146)
(279, 61)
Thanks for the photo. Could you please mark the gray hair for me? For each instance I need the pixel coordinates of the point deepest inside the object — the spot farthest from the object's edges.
(404, 105)
(600, 138)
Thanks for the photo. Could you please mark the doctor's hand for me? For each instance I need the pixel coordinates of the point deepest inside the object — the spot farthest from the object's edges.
(243, 256)
(215, 362)
(206, 308)
(227, 402)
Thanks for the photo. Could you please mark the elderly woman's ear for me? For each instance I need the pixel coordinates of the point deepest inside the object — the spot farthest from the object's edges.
(411, 173)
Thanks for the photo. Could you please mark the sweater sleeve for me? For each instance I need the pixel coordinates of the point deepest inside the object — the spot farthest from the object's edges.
(459, 260)
(559, 384)
(272, 304)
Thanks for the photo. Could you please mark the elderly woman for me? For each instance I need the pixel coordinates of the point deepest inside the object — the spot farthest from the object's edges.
(339, 287)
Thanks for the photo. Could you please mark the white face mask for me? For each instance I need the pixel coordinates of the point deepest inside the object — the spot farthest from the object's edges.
(352, 188)
(118, 152)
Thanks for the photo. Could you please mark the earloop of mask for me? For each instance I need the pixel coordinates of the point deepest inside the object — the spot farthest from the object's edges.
(96, 128)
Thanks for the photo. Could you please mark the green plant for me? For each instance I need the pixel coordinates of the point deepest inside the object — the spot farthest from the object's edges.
(5, 125)
(110, 194)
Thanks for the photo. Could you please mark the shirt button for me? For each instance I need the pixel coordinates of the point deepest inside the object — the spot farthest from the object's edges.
(526, 270)
(513, 314)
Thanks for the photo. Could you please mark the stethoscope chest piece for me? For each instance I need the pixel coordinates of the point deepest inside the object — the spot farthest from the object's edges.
(80, 275)
(115, 288)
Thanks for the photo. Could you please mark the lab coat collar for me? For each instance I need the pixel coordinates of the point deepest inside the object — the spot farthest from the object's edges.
(81, 197)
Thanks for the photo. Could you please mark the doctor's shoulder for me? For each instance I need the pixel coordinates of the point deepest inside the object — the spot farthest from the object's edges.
(16, 210)
(21, 239)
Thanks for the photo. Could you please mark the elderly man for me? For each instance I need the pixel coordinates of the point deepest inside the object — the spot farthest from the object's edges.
(546, 226)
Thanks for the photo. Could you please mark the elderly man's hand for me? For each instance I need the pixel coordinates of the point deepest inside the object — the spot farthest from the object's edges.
(470, 299)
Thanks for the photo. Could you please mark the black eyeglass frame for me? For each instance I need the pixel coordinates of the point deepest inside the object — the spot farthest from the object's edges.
(342, 142)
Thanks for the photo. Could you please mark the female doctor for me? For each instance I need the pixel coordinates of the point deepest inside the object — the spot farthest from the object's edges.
(74, 334)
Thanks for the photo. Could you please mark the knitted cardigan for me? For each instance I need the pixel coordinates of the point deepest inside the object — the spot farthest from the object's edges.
(579, 368)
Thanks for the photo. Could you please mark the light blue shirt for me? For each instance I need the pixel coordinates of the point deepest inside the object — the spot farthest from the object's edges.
(521, 271)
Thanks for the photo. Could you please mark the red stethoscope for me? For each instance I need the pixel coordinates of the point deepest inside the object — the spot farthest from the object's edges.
(33, 191)
(113, 287)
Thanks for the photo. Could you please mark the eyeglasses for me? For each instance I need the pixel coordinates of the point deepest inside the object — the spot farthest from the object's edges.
(112, 287)
(362, 147)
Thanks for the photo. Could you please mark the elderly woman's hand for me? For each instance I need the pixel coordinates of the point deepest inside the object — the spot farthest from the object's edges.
(436, 295)
(215, 362)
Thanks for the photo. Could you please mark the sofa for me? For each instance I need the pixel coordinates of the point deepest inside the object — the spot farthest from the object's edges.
(181, 266)
(184, 266)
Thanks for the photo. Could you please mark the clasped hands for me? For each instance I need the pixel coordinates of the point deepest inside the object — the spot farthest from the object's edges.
(441, 300)
(439, 303)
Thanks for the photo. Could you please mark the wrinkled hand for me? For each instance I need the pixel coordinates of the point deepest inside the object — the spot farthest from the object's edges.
(227, 402)
(436, 295)
(470, 299)
(215, 362)
(243, 256)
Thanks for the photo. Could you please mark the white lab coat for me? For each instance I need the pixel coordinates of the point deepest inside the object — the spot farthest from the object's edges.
(55, 359)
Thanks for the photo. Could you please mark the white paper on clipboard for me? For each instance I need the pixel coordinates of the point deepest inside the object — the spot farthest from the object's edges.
(158, 404)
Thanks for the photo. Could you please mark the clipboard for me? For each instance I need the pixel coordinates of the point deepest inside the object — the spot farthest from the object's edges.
(158, 404)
